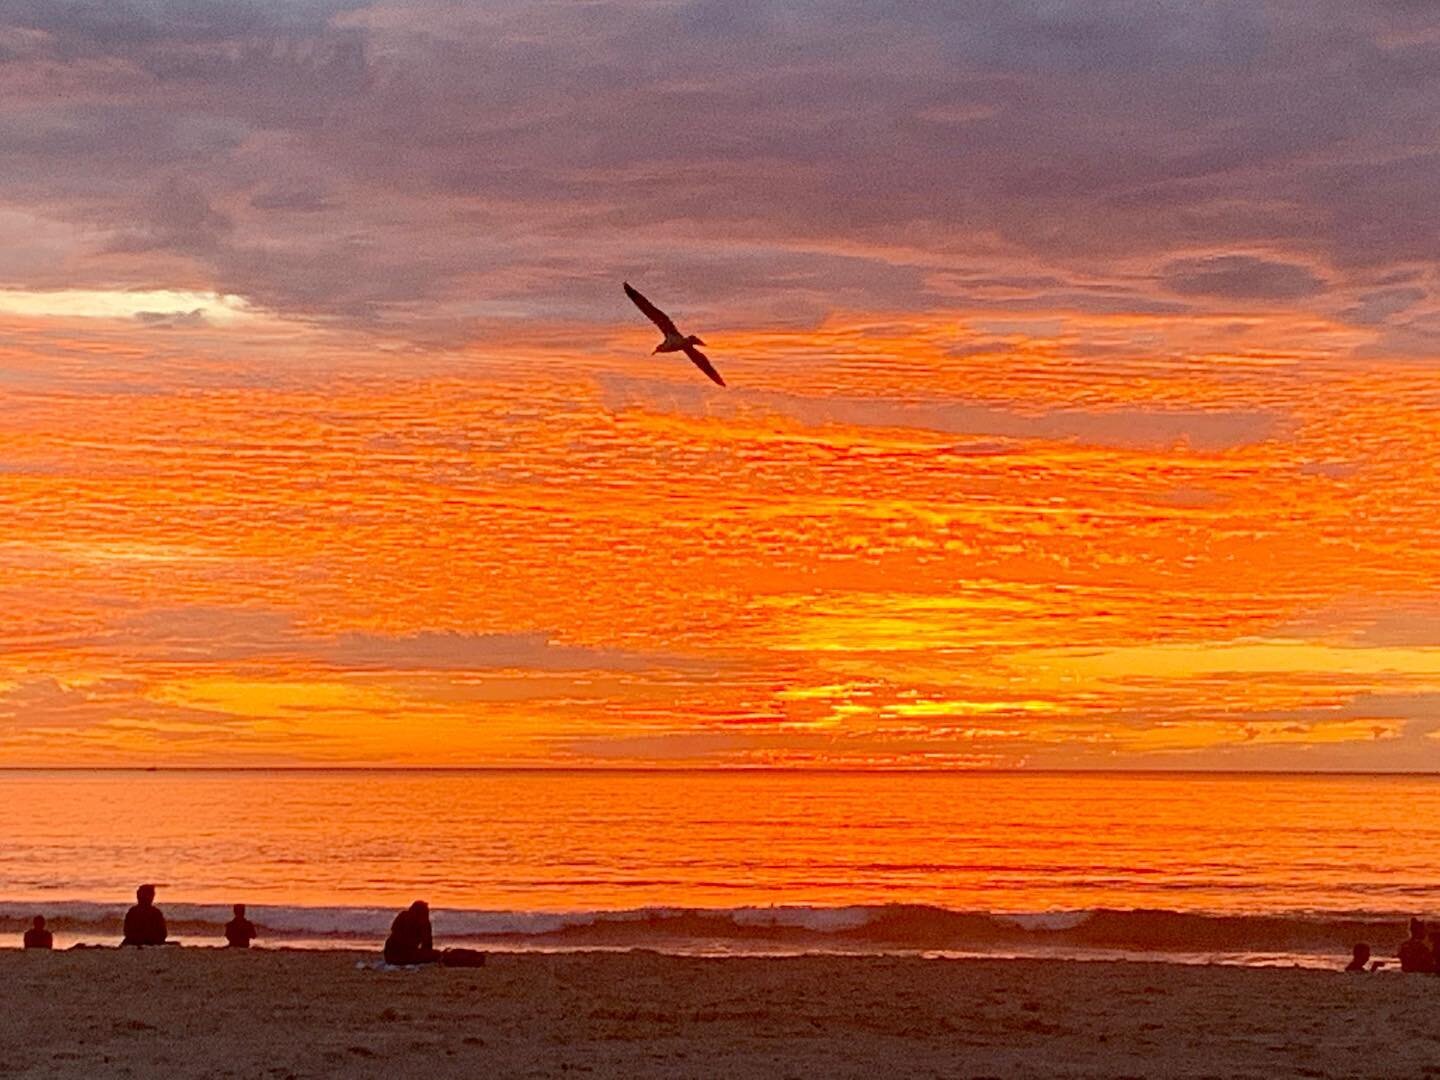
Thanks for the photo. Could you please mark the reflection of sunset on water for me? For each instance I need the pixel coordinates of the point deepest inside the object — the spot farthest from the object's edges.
(526, 841)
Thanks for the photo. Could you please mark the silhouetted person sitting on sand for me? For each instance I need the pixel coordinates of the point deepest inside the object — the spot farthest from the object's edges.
(239, 931)
(1359, 958)
(1415, 953)
(410, 940)
(144, 925)
(37, 937)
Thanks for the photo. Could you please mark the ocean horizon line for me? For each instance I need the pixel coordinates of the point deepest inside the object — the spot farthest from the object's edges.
(729, 770)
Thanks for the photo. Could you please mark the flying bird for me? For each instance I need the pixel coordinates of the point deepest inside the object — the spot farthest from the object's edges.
(674, 340)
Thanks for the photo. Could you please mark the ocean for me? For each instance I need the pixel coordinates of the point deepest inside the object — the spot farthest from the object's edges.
(1230, 868)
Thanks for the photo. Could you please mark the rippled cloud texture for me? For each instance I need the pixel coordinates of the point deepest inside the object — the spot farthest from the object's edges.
(1084, 388)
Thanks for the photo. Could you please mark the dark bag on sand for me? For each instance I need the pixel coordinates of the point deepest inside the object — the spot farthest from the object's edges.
(463, 958)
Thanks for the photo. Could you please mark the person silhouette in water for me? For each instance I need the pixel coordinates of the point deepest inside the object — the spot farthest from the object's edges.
(1415, 953)
(239, 931)
(37, 937)
(144, 924)
(410, 940)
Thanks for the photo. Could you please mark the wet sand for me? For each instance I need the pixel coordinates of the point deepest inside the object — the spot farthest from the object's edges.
(208, 1013)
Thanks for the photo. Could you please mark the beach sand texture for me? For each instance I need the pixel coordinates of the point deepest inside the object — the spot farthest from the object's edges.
(283, 1013)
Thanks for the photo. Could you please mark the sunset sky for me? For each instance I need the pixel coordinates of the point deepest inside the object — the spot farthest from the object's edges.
(1084, 399)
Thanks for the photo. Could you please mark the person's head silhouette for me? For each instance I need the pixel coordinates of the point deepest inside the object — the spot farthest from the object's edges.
(420, 907)
(239, 910)
(37, 937)
(1417, 928)
(145, 894)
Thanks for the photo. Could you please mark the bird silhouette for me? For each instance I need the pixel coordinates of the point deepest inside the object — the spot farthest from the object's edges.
(674, 340)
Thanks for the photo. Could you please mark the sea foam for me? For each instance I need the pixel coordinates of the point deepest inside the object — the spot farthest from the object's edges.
(891, 928)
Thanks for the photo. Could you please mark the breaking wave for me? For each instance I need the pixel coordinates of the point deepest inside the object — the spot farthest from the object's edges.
(895, 928)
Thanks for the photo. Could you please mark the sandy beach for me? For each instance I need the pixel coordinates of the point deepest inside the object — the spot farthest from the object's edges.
(208, 1013)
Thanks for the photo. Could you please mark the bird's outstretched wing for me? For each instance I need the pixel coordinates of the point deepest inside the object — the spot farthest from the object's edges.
(653, 313)
(700, 360)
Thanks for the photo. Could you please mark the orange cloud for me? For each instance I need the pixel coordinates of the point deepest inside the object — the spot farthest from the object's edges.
(495, 558)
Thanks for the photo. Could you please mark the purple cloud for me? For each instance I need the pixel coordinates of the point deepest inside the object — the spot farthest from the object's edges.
(393, 163)
(1240, 277)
